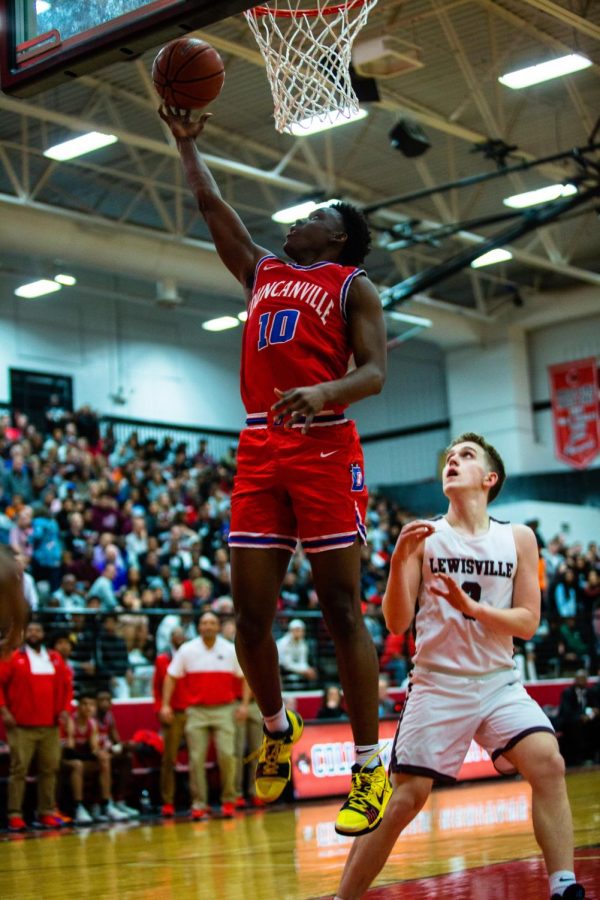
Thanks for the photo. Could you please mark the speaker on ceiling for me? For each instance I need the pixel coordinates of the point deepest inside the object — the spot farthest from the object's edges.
(409, 138)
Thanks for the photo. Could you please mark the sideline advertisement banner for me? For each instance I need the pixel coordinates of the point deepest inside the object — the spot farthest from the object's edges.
(575, 411)
(323, 757)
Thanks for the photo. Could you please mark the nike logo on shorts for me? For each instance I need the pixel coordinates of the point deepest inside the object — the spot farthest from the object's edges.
(331, 452)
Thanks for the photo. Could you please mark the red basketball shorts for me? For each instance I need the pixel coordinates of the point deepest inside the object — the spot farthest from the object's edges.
(292, 486)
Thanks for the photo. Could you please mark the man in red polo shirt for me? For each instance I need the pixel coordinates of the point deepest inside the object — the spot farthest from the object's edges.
(210, 671)
(34, 695)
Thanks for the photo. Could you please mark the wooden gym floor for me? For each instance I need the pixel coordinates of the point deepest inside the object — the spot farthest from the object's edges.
(470, 841)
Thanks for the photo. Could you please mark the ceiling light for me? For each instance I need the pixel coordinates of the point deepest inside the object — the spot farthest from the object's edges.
(221, 324)
(41, 6)
(63, 278)
(410, 319)
(541, 195)
(37, 289)
(243, 315)
(552, 68)
(492, 256)
(80, 145)
(314, 124)
(299, 211)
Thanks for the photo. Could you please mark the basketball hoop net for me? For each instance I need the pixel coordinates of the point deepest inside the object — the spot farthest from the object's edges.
(307, 53)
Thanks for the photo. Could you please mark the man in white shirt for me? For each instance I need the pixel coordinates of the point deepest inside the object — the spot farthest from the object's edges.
(293, 653)
(211, 672)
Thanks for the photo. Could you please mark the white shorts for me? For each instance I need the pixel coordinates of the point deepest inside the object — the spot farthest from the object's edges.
(444, 713)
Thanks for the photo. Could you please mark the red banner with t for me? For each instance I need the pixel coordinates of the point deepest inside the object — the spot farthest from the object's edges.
(576, 411)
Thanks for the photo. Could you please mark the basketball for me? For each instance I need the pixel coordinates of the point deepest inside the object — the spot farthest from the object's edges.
(188, 73)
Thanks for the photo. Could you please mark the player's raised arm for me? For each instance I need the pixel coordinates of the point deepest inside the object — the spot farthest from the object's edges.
(232, 240)
(400, 596)
(367, 339)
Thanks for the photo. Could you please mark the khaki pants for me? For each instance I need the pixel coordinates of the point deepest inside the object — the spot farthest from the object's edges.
(172, 735)
(248, 738)
(25, 743)
(204, 722)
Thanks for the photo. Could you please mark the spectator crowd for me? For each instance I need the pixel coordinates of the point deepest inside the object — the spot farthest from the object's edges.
(123, 546)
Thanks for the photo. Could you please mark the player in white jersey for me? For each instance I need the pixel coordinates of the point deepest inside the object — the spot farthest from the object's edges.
(477, 587)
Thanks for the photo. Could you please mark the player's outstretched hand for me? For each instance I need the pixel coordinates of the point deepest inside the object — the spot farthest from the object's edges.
(447, 589)
(411, 536)
(181, 123)
(299, 403)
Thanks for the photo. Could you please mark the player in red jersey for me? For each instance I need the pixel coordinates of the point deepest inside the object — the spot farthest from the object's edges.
(300, 464)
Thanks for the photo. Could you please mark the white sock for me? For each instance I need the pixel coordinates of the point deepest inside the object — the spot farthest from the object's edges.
(278, 722)
(367, 753)
(560, 881)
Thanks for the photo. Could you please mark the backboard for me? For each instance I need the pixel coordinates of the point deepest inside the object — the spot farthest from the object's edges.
(44, 43)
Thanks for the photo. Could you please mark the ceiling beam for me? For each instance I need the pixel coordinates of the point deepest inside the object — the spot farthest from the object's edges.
(566, 16)
(74, 123)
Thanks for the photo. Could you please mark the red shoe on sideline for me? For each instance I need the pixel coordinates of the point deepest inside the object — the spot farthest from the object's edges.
(16, 823)
(228, 810)
(50, 821)
(240, 803)
(197, 814)
(257, 802)
(167, 811)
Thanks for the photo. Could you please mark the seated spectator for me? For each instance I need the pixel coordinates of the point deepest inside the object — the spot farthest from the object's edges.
(21, 534)
(68, 595)
(30, 590)
(82, 567)
(575, 653)
(47, 548)
(332, 704)
(102, 588)
(594, 639)
(82, 756)
(107, 553)
(184, 619)
(293, 650)
(387, 706)
(590, 592)
(16, 479)
(120, 753)
(113, 672)
(374, 621)
(396, 655)
(136, 542)
(141, 660)
(293, 594)
(549, 648)
(565, 593)
(579, 721)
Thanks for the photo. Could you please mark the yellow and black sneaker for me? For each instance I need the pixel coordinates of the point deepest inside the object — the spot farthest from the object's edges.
(366, 803)
(274, 768)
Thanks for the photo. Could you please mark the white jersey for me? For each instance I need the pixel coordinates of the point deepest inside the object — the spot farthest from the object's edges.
(484, 566)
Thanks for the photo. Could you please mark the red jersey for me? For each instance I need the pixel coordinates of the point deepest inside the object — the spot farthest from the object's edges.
(105, 727)
(82, 733)
(296, 333)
